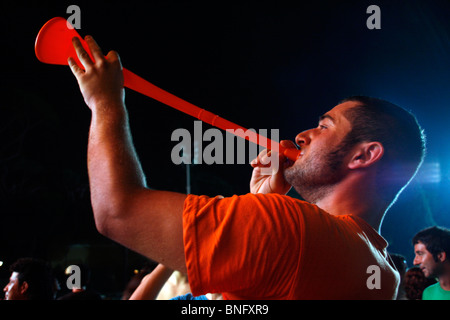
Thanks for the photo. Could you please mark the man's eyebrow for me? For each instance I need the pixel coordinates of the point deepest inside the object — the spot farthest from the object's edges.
(326, 116)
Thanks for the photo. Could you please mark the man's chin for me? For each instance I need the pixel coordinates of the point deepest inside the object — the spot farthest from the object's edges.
(426, 273)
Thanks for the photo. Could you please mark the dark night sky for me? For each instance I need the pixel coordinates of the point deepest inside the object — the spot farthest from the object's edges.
(262, 66)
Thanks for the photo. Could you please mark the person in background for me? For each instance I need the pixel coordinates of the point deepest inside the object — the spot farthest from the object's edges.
(414, 282)
(136, 279)
(432, 256)
(153, 284)
(401, 265)
(31, 279)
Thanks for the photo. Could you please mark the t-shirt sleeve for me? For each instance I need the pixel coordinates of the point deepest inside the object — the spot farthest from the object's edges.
(242, 244)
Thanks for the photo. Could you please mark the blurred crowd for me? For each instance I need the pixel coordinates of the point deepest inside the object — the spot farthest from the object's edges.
(428, 278)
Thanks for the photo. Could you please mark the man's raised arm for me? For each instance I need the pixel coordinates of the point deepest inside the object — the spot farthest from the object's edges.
(125, 210)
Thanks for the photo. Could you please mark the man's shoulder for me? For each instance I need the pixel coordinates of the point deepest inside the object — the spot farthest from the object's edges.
(280, 198)
(432, 288)
(430, 292)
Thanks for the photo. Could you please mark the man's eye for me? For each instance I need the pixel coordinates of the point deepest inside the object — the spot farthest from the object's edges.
(321, 126)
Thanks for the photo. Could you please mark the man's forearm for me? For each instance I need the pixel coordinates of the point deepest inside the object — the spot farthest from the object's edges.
(152, 284)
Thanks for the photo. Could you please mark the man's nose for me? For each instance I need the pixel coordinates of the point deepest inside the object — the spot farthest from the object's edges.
(416, 261)
(303, 138)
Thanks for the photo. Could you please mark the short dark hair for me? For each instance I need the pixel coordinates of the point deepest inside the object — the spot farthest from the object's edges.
(436, 240)
(399, 132)
(37, 274)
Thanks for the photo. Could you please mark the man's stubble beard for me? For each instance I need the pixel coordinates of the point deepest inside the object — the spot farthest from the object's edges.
(316, 175)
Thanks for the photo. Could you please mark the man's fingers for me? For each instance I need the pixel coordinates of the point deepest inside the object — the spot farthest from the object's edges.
(76, 70)
(114, 57)
(257, 161)
(97, 53)
(264, 157)
(84, 57)
(94, 47)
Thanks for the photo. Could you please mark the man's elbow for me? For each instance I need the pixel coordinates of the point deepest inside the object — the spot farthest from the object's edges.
(107, 214)
(103, 222)
(116, 214)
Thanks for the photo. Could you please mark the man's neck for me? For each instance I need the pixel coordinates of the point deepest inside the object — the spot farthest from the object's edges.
(372, 217)
(444, 280)
(357, 201)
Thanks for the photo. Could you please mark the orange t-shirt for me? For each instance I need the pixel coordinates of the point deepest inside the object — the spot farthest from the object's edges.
(271, 246)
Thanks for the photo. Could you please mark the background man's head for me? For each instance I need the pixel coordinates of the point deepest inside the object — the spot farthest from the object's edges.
(432, 250)
(31, 279)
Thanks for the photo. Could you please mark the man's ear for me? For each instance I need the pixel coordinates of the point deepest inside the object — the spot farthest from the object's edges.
(366, 154)
(23, 288)
(442, 256)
